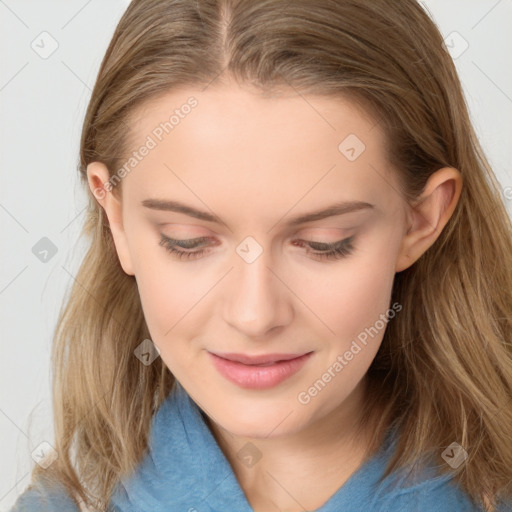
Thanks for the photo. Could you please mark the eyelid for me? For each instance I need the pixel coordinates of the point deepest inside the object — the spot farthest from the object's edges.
(206, 239)
(331, 251)
(191, 241)
(202, 242)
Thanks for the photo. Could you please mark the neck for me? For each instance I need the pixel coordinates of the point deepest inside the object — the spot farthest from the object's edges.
(331, 442)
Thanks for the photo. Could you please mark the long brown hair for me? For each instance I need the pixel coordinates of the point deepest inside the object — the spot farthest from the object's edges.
(444, 369)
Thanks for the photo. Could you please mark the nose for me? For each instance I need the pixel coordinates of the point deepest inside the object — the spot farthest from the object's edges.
(256, 301)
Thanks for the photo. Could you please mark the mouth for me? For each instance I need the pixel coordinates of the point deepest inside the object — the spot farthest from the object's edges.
(258, 360)
(258, 372)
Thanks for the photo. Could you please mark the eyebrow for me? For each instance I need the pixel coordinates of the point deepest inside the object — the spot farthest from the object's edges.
(339, 208)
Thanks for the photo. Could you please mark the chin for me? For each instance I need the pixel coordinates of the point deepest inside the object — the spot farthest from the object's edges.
(258, 431)
(254, 422)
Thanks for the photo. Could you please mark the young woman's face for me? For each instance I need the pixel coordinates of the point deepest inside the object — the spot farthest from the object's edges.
(255, 282)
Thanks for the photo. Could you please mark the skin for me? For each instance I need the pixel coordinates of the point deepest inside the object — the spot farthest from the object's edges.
(256, 162)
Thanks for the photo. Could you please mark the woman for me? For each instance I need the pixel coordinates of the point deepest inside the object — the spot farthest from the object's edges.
(298, 290)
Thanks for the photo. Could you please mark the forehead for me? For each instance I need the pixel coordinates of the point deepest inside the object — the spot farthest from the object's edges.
(270, 151)
(250, 117)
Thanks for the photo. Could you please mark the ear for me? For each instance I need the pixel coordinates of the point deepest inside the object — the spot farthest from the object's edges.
(429, 214)
(98, 178)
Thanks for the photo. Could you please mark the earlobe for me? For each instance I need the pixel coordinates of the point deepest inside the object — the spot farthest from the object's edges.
(98, 179)
(429, 214)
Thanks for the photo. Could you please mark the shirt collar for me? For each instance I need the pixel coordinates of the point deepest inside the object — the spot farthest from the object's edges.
(185, 469)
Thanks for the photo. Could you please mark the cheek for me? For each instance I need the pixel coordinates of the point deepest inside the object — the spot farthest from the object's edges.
(166, 296)
(164, 287)
(168, 300)
(350, 295)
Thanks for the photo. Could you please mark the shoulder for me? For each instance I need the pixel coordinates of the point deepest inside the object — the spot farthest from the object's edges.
(441, 496)
(420, 487)
(433, 494)
(432, 497)
(41, 497)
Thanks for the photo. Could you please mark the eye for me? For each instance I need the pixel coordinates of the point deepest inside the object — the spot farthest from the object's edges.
(329, 251)
(176, 246)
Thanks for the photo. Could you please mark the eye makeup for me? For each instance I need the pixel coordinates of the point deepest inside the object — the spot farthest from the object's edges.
(191, 248)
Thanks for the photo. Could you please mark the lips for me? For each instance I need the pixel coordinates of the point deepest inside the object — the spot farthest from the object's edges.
(258, 360)
(258, 372)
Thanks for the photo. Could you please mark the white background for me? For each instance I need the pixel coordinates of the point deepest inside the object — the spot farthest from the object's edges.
(42, 105)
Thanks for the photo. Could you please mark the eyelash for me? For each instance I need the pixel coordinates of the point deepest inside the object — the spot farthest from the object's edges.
(335, 250)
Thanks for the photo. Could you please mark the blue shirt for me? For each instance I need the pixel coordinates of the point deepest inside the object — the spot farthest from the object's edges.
(185, 470)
